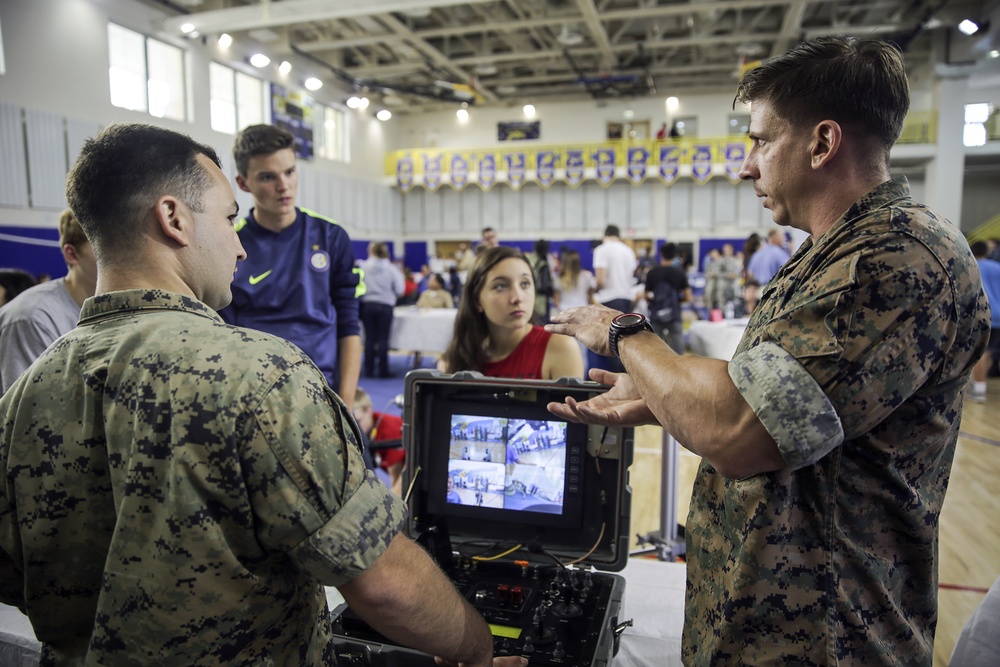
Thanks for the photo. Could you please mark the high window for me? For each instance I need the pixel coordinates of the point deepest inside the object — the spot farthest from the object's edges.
(146, 74)
(237, 99)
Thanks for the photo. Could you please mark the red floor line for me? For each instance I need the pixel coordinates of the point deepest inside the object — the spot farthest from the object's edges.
(957, 587)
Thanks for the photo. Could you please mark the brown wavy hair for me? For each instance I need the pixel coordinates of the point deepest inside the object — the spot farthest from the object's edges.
(465, 351)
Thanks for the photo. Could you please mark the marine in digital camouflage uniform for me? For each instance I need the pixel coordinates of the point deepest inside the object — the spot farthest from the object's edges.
(232, 483)
(856, 361)
(827, 440)
(177, 490)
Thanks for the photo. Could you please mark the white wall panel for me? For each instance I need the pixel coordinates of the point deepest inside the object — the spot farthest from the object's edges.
(413, 212)
(78, 131)
(432, 212)
(532, 215)
(748, 207)
(472, 212)
(14, 175)
(46, 138)
(724, 204)
(641, 207)
(678, 207)
(554, 209)
(595, 212)
(453, 212)
(491, 213)
(511, 213)
(701, 206)
(573, 206)
(619, 211)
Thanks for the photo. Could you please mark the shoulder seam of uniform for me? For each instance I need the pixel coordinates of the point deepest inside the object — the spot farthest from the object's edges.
(319, 216)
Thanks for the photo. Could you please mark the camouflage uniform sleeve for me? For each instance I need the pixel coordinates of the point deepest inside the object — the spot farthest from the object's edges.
(788, 402)
(865, 336)
(312, 496)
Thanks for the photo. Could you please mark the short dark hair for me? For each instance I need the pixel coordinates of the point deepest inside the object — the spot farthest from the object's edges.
(120, 174)
(612, 230)
(860, 83)
(256, 140)
(979, 249)
(668, 251)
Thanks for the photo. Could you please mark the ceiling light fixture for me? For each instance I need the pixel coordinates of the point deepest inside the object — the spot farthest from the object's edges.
(672, 103)
(356, 102)
(485, 69)
(968, 27)
(285, 67)
(463, 115)
(187, 28)
(259, 60)
(567, 38)
(529, 110)
(225, 40)
(312, 83)
(384, 115)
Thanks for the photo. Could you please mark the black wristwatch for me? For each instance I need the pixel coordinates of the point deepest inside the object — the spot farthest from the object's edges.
(626, 325)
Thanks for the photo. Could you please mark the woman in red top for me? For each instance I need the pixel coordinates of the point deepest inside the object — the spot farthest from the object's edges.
(493, 330)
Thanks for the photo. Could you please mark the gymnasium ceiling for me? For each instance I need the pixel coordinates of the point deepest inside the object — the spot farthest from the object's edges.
(416, 55)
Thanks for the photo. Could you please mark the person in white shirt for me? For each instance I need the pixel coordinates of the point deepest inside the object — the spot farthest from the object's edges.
(614, 270)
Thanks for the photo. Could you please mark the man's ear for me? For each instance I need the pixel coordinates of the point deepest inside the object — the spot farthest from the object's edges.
(242, 182)
(172, 218)
(70, 256)
(827, 137)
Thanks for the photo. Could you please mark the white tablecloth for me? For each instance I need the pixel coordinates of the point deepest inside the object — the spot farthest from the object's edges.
(718, 340)
(421, 329)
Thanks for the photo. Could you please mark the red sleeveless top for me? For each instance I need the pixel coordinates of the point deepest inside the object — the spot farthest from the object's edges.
(525, 361)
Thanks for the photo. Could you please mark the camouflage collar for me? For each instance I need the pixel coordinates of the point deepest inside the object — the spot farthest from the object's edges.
(130, 301)
(883, 195)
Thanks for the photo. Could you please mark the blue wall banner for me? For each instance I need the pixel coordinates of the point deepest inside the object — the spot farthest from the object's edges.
(432, 171)
(670, 160)
(605, 159)
(459, 171)
(517, 166)
(735, 154)
(701, 162)
(404, 173)
(519, 130)
(574, 167)
(637, 158)
(545, 170)
(292, 110)
(487, 171)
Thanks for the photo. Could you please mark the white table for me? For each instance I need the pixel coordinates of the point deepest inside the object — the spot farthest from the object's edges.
(421, 329)
(718, 340)
(654, 600)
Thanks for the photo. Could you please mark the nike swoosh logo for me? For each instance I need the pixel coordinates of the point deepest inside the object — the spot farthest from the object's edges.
(256, 279)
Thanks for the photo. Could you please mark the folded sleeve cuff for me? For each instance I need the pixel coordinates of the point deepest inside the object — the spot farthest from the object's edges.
(353, 539)
(788, 402)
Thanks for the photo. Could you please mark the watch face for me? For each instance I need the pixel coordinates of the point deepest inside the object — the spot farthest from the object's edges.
(628, 319)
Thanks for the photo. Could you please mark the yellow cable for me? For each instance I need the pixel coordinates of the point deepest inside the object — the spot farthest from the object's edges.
(509, 551)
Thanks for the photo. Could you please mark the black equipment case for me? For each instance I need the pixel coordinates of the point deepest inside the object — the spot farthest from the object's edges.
(518, 507)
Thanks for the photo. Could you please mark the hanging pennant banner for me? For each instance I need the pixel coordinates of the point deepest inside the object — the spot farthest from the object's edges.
(487, 171)
(432, 171)
(404, 173)
(670, 160)
(574, 167)
(637, 158)
(605, 159)
(701, 162)
(735, 154)
(517, 166)
(459, 171)
(545, 170)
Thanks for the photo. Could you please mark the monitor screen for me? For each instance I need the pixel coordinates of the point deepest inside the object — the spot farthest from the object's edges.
(506, 463)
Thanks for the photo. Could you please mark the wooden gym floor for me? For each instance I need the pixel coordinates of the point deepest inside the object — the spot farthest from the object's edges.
(969, 531)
